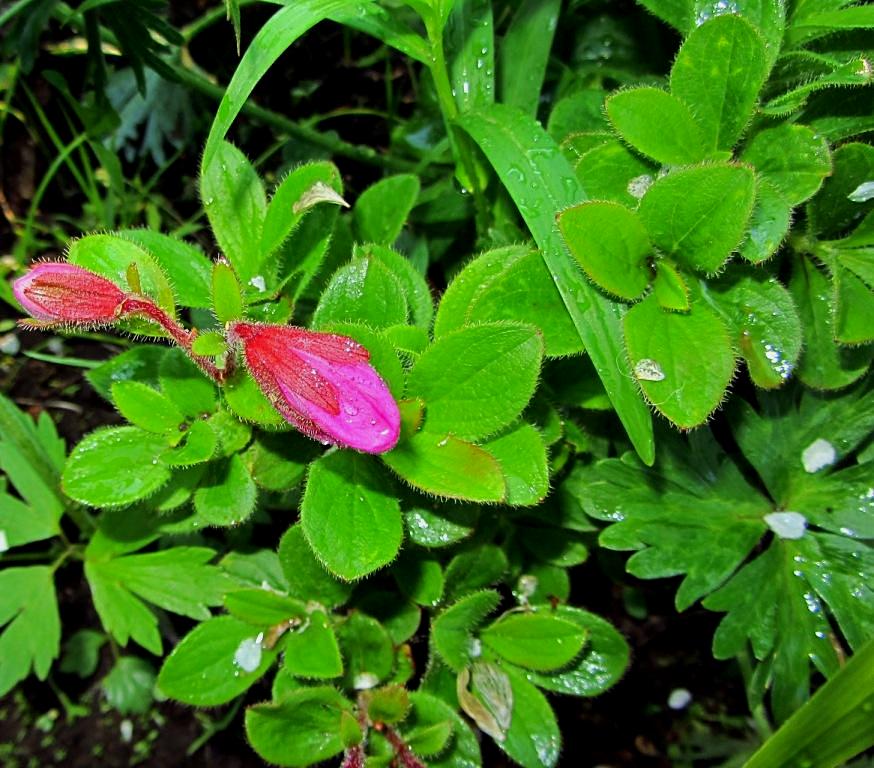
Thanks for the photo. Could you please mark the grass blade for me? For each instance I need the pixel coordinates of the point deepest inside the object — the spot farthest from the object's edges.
(542, 183)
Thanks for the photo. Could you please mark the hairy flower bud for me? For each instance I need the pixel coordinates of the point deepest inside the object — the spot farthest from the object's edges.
(57, 292)
(322, 383)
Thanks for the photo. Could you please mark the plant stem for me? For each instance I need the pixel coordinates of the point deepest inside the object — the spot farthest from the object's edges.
(182, 337)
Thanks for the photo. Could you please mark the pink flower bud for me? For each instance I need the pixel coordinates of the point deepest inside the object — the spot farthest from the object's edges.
(322, 383)
(56, 292)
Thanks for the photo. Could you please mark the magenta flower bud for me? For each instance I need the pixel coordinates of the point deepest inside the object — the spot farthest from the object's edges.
(57, 292)
(322, 383)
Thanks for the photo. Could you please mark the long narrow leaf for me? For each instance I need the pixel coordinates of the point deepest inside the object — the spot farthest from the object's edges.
(835, 725)
(283, 28)
(542, 183)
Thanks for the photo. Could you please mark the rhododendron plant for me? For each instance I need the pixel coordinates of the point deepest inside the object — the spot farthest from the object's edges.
(322, 383)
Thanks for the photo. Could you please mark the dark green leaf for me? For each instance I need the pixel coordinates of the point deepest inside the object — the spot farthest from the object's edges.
(306, 576)
(476, 380)
(610, 243)
(115, 466)
(534, 641)
(699, 215)
(300, 729)
(236, 205)
(452, 630)
(227, 494)
(349, 515)
(683, 362)
(718, 73)
(382, 208)
(657, 124)
(215, 662)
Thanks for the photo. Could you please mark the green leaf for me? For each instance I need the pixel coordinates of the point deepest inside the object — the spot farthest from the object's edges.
(718, 74)
(669, 287)
(441, 526)
(854, 309)
(367, 651)
(832, 212)
(764, 323)
(129, 686)
(833, 726)
(303, 188)
(447, 467)
(694, 515)
(263, 608)
(185, 264)
(524, 53)
(521, 453)
(452, 630)
(388, 705)
(145, 408)
(115, 466)
(227, 493)
(306, 576)
(542, 183)
(233, 435)
(476, 380)
(205, 669)
(382, 209)
(398, 616)
(236, 205)
(793, 158)
(277, 461)
(474, 569)
(419, 577)
(364, 291)
(468, 38)
(300, 729)
(768, 225)
(227, 296)
(611, 171)
(657, 124)
(82, 653)
(699, 215)
(140, 363)
(312, 651)
(198, 446)
(184, 383)
(415, 288)
(534, 641)
(811, 26)
(349, 515)
(533, 739)
(824, 365)
(178, 579)
(247, 401)
(683, 362)
(31, 636)
(610, 244)
(601, 664)
(510, 283)
(255, 569)
(24, 523)
(429, 712)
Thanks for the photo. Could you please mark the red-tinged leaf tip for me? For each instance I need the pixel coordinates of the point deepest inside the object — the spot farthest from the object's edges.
(322, 383)
(57, 292)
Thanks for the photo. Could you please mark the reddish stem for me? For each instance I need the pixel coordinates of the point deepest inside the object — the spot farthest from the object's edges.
(405, 756)
(133, 305)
